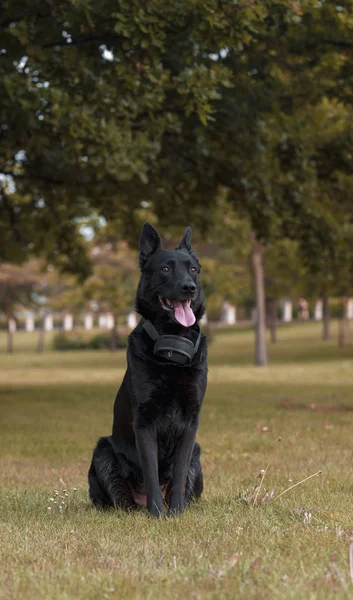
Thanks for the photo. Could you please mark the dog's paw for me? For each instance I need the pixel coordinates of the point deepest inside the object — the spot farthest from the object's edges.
(176, 507)
(155, 507)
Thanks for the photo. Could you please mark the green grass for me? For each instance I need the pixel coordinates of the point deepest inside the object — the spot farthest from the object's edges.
(54, 406)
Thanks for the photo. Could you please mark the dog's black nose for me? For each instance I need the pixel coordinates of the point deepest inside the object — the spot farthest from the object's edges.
(188, 287)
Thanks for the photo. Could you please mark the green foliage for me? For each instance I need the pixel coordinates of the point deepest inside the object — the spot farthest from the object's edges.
(62, 341)
(102, 341)
(225, 268)
(79, 341)
(285, 273)
(88, 94)
(272, 132)
(112, 286)
(17, 284)
(125, 107)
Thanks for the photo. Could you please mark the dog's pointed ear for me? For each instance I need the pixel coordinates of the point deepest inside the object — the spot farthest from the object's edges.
(150, 242)
(185, 243)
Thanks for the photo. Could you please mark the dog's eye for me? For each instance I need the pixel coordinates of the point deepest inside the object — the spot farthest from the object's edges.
(193, 270)
(165, 269)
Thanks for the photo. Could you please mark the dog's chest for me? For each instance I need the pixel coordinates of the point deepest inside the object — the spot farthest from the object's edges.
(174, 400)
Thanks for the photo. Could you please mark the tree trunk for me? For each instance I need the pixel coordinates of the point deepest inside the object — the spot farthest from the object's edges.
(41, 337)
(257, 253)
(343, 327)
(325, 318)
(272, 319)
(9, 347)
(114, 340)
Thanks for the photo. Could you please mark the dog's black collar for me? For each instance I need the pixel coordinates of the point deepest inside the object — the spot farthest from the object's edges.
(174, 348)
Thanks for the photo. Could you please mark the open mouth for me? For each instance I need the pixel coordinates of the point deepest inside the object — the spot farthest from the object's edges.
(181, 310)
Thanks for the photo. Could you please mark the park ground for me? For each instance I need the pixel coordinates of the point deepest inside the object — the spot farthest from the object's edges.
(54, 406)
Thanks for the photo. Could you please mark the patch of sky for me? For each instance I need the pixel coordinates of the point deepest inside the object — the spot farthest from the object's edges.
(106, 54)
(8, 183)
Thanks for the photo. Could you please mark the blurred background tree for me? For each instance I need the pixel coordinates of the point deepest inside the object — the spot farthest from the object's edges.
(16, 291)
(112, 286)
(110, 112)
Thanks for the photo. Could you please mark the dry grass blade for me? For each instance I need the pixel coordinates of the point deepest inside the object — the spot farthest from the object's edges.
(295, 485)
(265, 471)
(341, 580)
(63, 401)
(351, 559)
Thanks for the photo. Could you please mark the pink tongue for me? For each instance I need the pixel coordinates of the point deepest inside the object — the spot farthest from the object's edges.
(183, 314)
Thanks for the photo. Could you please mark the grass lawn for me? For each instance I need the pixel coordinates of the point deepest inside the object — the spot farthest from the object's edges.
(52, 409)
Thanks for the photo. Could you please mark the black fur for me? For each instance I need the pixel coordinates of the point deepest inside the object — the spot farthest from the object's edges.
(151, 456)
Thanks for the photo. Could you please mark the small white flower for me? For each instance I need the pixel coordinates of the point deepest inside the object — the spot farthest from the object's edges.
(307, 517)
(51, 499)
(49, 507)
(74, 489)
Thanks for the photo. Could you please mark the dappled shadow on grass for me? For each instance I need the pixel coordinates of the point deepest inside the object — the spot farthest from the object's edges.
(298, 343)
(320, 408)
(281, 354)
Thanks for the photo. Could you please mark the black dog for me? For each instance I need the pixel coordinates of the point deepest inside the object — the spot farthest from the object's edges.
(152, 456)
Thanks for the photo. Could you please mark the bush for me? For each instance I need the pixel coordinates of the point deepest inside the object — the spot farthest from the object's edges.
(336, 309)
(64, 341)
(80, 341)
(102, 341)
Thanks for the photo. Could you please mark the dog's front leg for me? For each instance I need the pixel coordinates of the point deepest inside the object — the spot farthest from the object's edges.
(181, 464)
(146, 441)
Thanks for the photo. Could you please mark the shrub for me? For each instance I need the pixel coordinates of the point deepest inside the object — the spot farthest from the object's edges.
(102, 341)
(79, 341)
(64, 341)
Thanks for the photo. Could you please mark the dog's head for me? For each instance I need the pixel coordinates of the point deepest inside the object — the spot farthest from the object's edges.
(169, 288)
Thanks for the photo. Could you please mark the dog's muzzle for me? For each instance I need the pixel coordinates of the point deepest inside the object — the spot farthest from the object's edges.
(174, 348)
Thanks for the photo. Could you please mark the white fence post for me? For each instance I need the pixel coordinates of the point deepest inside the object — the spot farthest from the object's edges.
(132, 320)
(88, 321)
(12, 325)
(287, 314)
(110, 320)
(229, 315)
(350, 308)
(204, 320)
(68, 322)
(48, 323)
(318, 311)
(29, 326)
